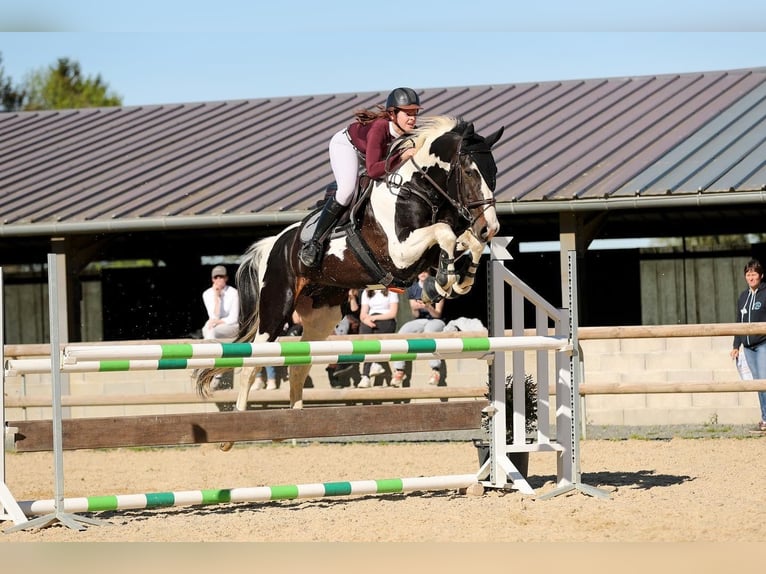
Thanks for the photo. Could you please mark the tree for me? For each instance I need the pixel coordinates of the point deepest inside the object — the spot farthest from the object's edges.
(11, 98)
(65, 87)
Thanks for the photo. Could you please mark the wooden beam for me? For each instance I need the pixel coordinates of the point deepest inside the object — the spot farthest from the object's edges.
(262, 397)
(267, 424)
(661, 387)
(661, 331)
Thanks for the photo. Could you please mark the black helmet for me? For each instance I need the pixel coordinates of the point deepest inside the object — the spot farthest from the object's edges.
(402, 98)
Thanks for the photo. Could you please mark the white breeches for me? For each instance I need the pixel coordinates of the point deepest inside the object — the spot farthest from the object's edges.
(344, 161)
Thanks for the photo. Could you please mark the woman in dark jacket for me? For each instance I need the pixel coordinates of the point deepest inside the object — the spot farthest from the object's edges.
(366, 140)
(751, 308)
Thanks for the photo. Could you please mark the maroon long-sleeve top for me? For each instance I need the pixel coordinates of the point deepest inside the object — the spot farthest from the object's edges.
(373, 141)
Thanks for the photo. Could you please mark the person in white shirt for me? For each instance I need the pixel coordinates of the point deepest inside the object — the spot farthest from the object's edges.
(377, 315)
(222, 304)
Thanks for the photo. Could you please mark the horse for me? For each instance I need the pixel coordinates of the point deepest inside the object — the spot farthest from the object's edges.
(434, 211)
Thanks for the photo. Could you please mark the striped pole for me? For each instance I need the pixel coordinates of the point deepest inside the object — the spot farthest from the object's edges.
(252, 494)
(15, 367)
(73, 353)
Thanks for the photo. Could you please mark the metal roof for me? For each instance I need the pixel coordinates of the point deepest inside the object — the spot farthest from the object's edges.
(593, 144)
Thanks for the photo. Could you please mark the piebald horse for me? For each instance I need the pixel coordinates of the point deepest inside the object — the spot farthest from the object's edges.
(435, 211)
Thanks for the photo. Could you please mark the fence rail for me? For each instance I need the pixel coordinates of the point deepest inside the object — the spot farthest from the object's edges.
(330, 396)
(262, 397)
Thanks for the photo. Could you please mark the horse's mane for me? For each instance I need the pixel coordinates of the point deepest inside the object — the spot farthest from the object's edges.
(429, 127)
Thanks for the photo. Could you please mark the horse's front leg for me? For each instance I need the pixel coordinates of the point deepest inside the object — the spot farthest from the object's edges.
(445, 274)
(466, 275)
(408, 252)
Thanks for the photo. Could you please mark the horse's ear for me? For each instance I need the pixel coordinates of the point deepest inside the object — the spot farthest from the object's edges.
(468, 130)
(492, 139)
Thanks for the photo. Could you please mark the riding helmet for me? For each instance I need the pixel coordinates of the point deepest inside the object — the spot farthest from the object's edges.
(405, 98)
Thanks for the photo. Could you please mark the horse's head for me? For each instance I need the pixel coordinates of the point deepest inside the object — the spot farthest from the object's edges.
(475, 178)
(457, 164)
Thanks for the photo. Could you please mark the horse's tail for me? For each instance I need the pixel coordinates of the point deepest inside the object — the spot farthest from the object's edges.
(248, 288)
(249, 276)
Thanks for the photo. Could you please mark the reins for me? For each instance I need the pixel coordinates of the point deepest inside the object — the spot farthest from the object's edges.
(463, 209)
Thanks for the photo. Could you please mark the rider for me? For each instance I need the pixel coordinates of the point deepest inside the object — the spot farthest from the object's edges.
(369, 137)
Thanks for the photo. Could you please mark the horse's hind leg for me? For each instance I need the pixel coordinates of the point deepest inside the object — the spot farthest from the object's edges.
(246, 383)
(298, 374)
(318, 324)
(244, 389)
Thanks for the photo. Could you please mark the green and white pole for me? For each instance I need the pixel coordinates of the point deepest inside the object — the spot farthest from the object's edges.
(15, 367)
(251, 494)
(74, 353)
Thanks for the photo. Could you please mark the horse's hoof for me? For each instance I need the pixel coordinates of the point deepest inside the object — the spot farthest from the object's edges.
(226, 446)
(459, 291)
(444, 293)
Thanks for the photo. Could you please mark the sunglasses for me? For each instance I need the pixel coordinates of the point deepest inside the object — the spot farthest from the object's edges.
(408, 112)
(219, 276)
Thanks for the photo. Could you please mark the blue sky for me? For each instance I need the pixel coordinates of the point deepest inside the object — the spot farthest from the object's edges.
(170, 52)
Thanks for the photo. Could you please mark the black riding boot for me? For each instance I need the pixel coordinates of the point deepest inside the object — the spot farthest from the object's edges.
(311, 251)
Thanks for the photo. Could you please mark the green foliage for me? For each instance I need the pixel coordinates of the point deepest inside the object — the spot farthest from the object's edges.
(11, 97)
(530, 405)
(65, 87)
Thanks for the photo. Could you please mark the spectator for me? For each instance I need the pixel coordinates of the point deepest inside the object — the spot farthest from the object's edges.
(293, 328)
(349, 312)
(751, 308)
(378, 315)
(270, 384)
(340, 375)
(427, 318)
(222, 304)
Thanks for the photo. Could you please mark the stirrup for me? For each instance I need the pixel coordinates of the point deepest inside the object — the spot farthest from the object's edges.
(310, 254)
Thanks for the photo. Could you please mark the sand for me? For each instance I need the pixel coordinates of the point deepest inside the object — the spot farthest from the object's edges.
(679, 490)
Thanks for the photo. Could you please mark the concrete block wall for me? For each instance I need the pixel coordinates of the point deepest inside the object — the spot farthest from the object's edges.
(682, 359)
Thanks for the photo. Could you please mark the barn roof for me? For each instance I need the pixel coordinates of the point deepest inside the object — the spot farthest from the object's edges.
(595, 144)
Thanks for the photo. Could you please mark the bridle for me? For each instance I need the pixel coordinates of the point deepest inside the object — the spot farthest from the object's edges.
(463, 209)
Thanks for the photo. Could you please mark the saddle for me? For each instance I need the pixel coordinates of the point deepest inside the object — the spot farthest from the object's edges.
(351, 217)
(348, 226)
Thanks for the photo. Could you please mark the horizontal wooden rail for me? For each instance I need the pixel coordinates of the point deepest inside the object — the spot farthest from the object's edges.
(264, 397)
(267, 424)
(382, 394)
(660, 387)
(663, 331)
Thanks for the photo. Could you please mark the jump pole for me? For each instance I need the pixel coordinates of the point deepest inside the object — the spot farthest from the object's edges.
(235, 355)
(251, 494)
(16, 367)
(75, 353)
(495, 345)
